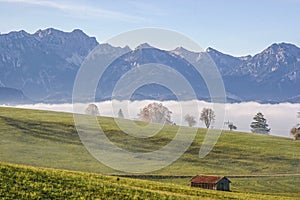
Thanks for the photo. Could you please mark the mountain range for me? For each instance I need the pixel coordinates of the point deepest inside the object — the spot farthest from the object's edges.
(41, 67)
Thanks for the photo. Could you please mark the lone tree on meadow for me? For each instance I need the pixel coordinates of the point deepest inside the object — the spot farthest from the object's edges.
(190, 120)
(230, 125)
(207, 116)
(259, 124)
(92, 109)
(156, 113)
(295, 131)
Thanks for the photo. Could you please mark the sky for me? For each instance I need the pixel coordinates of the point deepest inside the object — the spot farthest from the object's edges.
(236, 27)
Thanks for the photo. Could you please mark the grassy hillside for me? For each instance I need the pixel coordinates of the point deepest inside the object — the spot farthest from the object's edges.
(19, 182)
(49, 139)
(280, 186)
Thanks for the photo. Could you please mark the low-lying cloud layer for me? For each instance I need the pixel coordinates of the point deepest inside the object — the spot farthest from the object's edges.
(280, 117)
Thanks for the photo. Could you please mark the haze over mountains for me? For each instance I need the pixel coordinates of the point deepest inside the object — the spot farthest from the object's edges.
(41, 67)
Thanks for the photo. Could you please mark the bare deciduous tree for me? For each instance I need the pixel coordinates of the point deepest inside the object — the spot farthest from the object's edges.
(156, 113)
(92, 109)
(296, 132)
(190, 120)
(207, 116)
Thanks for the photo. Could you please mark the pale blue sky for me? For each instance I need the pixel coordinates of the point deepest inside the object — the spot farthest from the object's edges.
(237, 27)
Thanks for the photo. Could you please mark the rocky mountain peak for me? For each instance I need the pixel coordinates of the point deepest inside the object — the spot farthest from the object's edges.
(106, 48)
(282, 48)
(144, 46)
(187, 54)
(16, 34)
(45, 63)
(180, 50)
(278, 54)
(48, 32)
(210, 50)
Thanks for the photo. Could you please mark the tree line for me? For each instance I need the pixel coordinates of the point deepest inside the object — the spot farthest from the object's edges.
(158, 113)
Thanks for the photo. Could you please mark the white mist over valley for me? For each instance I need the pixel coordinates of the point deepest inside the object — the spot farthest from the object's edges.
(280, 117)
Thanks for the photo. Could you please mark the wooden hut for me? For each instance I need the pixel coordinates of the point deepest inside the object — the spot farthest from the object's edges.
(211, 182)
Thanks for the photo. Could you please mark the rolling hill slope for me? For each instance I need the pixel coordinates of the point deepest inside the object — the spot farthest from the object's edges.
(49, 139)
(21, 182)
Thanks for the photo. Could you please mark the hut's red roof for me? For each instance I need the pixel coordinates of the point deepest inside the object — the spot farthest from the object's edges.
(206, 179)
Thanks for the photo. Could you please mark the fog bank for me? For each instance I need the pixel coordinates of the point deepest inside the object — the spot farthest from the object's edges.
(280, 117)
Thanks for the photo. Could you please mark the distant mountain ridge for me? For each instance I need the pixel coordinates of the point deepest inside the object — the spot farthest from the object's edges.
(13, 96)
(272, 75)
(43, 66)
(43, 63)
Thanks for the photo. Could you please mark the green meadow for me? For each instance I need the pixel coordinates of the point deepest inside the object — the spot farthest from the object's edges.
(47, 139)
(23, 182)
